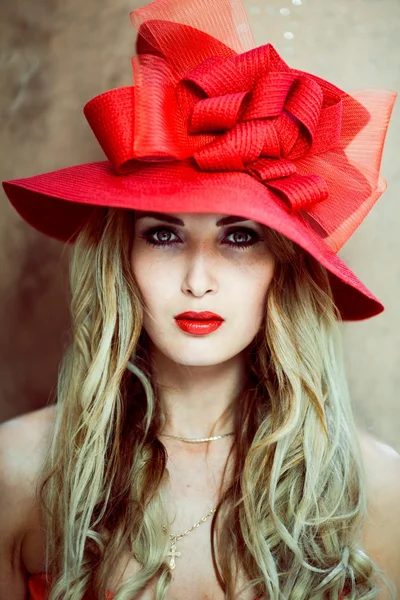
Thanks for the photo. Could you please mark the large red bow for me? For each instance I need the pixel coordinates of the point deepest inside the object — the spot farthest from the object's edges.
(206, 97)
(228, 112)
(269, 116)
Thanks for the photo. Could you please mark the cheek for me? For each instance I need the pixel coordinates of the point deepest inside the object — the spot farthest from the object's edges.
(153, 279)
(252, 286)
(251, 297)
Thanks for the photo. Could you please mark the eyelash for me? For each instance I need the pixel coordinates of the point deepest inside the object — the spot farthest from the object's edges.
(146, 235)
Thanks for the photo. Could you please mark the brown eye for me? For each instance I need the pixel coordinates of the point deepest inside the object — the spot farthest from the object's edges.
(243, 238)
(159, 236)
(163, 236)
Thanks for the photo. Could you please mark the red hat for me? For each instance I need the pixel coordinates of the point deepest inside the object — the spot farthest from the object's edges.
(214, 124)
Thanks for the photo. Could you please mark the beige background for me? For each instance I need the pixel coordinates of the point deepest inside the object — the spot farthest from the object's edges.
(54, 56)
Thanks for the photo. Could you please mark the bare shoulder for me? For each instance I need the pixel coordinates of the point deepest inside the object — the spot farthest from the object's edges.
(23, 447)
(381, 536)
(24, 442)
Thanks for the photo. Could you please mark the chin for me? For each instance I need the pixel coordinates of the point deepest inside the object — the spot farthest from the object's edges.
(200, 351)
(203, 357)
(197, 362)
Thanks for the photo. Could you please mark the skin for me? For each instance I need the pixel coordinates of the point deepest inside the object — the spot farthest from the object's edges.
(197, 378)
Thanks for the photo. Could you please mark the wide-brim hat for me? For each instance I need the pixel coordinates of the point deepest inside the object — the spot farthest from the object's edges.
(214, 124)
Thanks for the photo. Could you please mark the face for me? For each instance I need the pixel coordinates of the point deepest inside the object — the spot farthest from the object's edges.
(201, 262)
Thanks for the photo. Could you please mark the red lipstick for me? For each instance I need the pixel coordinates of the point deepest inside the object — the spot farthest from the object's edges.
(198, 323)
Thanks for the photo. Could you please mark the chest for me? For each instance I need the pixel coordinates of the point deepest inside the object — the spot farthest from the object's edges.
(194, 489)
(193, 576)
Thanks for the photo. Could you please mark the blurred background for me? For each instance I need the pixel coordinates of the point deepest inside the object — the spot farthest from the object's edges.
(55, 56)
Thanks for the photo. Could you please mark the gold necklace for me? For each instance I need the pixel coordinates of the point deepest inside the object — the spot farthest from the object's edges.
(197, 440)
(176, 538)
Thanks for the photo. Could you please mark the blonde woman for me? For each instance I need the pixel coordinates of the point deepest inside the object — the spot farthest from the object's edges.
(202, 443)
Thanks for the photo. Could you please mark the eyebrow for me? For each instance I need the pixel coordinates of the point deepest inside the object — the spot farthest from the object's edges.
(169, 219)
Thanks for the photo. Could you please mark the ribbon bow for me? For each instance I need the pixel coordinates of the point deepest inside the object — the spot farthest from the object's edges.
(245, 112)
(268, 116)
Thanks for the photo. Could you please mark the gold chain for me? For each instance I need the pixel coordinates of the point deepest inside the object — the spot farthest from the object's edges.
(197, 440)
(176, 538)
(195, 526)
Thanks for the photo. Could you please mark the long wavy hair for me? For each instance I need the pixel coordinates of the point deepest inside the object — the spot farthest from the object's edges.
(291, 516)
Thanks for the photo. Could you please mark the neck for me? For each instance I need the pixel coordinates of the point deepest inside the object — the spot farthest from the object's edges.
(198, 401)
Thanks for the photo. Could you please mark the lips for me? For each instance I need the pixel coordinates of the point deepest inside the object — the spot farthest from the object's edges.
(200, 316)
(198, 323)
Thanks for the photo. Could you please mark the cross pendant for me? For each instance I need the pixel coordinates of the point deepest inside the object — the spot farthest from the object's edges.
(172, 553)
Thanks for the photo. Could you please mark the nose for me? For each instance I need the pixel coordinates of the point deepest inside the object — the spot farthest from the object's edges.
(200, 273)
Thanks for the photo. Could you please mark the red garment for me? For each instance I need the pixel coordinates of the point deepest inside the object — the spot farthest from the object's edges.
(38, 585)
(37, 588)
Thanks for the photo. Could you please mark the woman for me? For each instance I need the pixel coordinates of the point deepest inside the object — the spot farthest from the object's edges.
(206, 455)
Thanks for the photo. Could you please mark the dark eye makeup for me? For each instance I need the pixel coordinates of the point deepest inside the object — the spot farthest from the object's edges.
(149, 235)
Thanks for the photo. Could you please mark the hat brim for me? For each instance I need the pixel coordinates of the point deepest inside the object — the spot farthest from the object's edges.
(60, 202)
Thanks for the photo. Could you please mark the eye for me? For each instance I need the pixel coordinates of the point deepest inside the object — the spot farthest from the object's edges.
(240, 235)
(160, 236)
(162, 232)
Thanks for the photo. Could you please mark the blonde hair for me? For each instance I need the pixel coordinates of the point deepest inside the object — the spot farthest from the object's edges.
(291, 517)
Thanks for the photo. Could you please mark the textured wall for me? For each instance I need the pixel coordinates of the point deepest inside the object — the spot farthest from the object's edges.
(55, 56)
